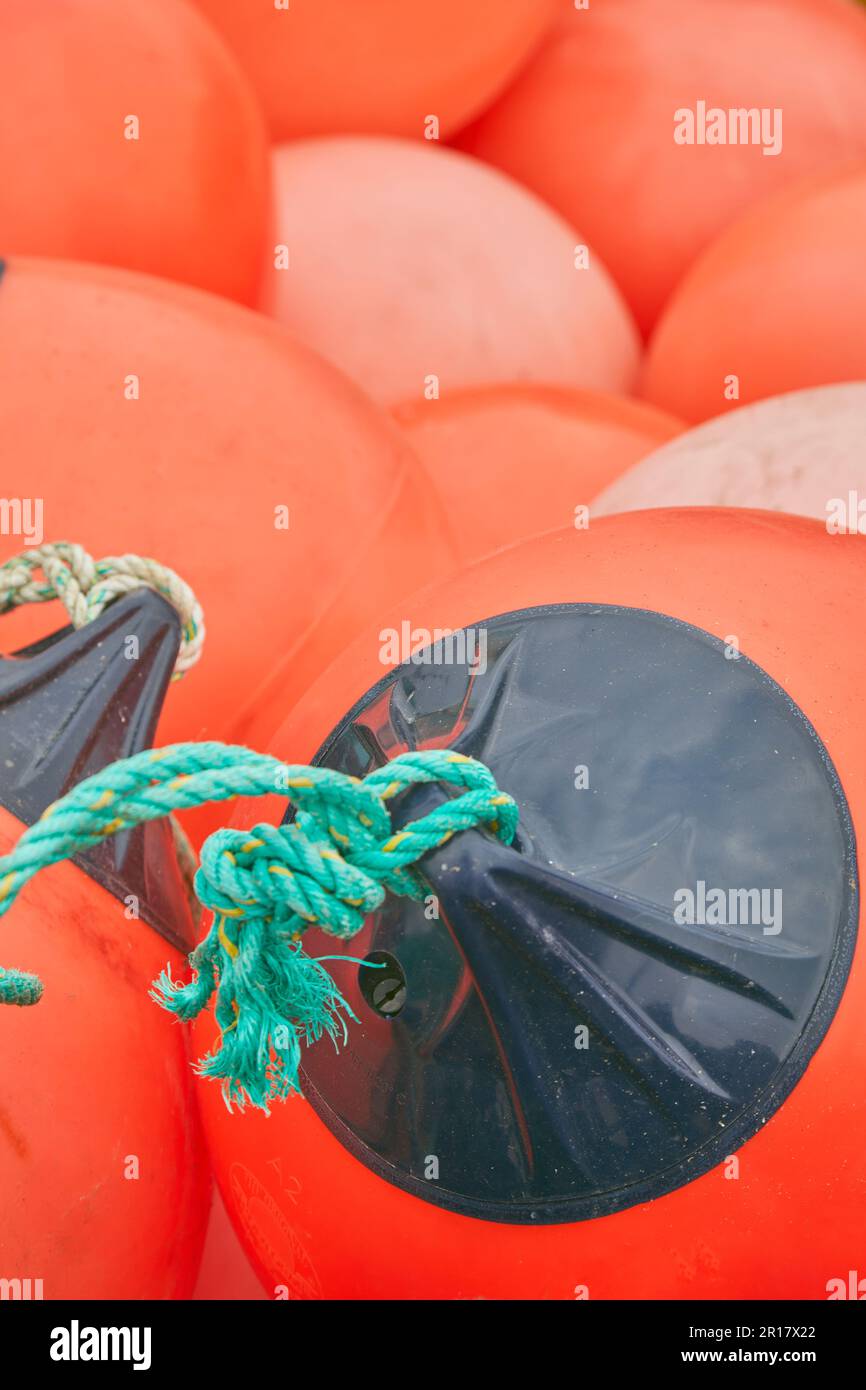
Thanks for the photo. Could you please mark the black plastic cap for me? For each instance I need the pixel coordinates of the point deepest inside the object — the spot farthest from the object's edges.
(553, 1037)
(74, 703)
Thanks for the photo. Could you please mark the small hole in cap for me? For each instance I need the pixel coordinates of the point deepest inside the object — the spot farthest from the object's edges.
(383, 987)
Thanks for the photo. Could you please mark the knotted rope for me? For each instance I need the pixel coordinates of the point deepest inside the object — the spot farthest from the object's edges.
(86, 587)
(266, 886)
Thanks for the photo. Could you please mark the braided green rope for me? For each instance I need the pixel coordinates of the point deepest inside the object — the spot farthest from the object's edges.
(265, 886)
(86, 587)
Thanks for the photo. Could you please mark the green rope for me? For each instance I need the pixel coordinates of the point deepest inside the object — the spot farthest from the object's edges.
(330, 867)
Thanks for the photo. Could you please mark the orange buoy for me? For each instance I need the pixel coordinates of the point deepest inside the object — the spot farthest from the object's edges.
(129, 136)
(173, 424)
(652, 124)
(777, 303)
(800, 453)
(225, 1271)
(102, 1166)
(578, 1041)
(386, 263)
(390, 66)
(510, 461)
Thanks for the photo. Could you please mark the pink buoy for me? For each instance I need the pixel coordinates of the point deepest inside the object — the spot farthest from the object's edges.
(420, 272)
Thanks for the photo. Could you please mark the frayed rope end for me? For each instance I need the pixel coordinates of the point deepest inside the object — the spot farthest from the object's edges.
(272, 999)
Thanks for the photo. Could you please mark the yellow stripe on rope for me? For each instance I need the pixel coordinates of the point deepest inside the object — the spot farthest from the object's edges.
(395, 840)
(226, 944)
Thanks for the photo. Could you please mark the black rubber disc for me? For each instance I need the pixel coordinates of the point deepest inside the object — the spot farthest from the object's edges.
(561, 1042)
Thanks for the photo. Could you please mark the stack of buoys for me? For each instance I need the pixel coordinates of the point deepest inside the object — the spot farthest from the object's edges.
(173, 423)
(344, 332)
(655, 123)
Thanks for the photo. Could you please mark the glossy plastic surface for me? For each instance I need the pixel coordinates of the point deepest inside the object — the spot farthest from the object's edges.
(129, 136)
(77, 702)
(564, 1044)
(786, 1217)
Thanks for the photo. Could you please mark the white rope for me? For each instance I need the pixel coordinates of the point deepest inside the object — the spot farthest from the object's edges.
(86, 587)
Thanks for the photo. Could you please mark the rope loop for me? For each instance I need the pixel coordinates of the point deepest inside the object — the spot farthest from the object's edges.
(86, 587)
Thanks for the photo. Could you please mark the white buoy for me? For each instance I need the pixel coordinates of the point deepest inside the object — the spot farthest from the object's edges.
(798, 453)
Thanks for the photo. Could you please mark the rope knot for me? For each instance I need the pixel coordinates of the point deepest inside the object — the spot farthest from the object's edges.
(329, 867)
(290, 876)
(86, 587)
